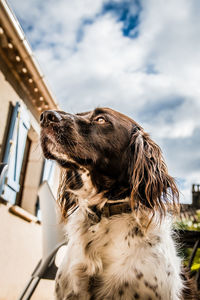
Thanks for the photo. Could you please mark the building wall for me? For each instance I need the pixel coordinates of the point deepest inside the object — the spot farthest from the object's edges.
(7, 95)
(20, 251)
(20, 241)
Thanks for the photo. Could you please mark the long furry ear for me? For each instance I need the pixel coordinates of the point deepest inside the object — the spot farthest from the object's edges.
(151, 185)
(67, 202)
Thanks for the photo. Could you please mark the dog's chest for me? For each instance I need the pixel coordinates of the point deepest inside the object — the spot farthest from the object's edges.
(114, 259)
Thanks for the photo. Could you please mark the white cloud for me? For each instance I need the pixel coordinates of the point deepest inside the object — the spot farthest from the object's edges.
(54, 21)
(154, 78)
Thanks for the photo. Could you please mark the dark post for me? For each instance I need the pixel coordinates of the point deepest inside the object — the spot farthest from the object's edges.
(196, 196)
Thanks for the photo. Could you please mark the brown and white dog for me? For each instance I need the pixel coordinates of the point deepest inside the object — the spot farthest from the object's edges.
(116, 199)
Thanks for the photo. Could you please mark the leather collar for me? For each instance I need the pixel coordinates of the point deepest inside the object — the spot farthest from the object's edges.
(111, 209)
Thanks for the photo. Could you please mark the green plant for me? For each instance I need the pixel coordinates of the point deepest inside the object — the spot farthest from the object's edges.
(189, 224)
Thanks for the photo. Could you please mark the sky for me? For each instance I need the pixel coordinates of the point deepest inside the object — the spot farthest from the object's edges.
(139, 57)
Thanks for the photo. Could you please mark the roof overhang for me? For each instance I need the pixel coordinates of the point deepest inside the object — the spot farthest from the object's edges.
(17, 53)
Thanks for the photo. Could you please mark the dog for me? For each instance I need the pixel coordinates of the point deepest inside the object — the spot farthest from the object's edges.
(116, 200)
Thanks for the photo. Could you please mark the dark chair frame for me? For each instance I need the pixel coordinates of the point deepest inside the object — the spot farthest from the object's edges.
(46, 269)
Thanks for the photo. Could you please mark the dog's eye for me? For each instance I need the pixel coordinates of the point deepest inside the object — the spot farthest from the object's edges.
(100, 120)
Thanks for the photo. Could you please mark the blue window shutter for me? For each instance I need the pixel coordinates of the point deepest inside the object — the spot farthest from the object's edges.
(17, 141)
(10, 132)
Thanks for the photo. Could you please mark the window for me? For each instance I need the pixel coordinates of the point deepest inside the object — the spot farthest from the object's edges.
(14, 151)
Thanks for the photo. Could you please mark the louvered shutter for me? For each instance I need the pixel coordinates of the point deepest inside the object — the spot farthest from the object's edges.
(15, 151)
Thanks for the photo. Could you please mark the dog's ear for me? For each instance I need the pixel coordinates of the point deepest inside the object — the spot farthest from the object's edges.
(151, 185)
(66, 201)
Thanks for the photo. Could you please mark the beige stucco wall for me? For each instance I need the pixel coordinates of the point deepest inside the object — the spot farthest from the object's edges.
(7, 94)
(20, 241)
(35, 160)
(20, 251)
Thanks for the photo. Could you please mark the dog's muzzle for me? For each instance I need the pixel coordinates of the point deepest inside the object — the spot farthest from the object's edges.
(49, 117)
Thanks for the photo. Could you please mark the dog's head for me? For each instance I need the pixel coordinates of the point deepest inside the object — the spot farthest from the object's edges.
(111, 151)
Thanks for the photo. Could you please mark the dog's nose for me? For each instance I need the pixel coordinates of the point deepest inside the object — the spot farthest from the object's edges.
(49, 116)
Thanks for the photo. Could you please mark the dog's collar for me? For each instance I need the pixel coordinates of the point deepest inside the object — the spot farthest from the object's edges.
(112, 207)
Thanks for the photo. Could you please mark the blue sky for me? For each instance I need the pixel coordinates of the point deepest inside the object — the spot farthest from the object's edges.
(139, 57)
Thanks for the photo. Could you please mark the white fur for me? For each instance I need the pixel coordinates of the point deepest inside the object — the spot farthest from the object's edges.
(143, 264)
